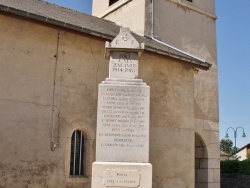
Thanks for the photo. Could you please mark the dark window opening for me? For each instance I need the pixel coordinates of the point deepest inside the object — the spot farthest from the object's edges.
(190, 0)
(111, 2)
(77, 154)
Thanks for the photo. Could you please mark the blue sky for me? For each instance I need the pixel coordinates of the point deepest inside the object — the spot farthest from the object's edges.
(233, 39)
(233, 47)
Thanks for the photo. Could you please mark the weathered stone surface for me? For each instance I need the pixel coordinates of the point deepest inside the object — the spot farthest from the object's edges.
(127, 175)
(26, 105)
(123, 122)
(214, 151)
(217, 175)
(123, 51)
(121, 178)
(211, 125)
(210, 163)
(123, 65)
(204, 175)
(125, 40)
(122, 137)
(161, 149)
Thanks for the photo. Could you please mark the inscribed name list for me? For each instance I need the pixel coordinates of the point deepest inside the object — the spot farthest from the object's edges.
(123, 65)
(123, 123)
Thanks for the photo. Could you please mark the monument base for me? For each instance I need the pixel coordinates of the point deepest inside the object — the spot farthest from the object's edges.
(121, 175)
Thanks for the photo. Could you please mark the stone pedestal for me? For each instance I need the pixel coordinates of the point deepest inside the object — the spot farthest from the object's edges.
(121, 174)
(122, 136)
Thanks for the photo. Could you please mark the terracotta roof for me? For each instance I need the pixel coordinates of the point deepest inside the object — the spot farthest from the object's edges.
(52, 14)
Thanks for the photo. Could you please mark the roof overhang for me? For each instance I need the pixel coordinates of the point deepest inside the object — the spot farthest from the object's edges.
(108, 30)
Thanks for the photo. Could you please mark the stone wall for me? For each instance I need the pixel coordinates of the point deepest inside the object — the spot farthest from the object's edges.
(188, 26)
(33, 57)
(235, 181)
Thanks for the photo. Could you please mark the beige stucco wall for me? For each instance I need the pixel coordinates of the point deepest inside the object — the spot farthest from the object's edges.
(194, 34)
(122, 12)
(28, 66)
(207, 6)
(224, 157)
(187, 26)
(191, 27)
(31, 55)
(242, 154)
(171, 121)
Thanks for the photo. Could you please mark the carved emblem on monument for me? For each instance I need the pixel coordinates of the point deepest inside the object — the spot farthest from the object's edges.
(124, 52)
(122, 138)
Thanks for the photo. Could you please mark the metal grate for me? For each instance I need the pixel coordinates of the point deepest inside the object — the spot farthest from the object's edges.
(76, 153)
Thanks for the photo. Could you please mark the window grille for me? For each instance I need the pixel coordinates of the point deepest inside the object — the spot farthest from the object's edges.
(77, 154)
(111, 2)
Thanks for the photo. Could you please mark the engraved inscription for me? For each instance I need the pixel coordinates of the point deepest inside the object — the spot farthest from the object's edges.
(121, 178)
(123, 114)
(124, 65)
(123, 120)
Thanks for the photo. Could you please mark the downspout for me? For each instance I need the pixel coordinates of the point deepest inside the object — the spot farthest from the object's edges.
(54, 144)
(163, 43)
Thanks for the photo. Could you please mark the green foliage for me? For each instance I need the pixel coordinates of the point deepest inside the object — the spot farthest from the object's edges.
(229, 166)
(248, 156)
(245, 167)
(226, 145)
(234, 150)
(235, 166)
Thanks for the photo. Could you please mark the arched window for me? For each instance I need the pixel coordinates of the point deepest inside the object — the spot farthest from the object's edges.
(77, 154)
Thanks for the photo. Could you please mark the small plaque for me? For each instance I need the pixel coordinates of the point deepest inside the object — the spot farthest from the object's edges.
(121, 178)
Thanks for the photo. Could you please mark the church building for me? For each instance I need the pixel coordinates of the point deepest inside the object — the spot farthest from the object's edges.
(52, 61)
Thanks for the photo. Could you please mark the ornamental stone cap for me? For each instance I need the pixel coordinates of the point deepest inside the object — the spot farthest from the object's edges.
(124, 42)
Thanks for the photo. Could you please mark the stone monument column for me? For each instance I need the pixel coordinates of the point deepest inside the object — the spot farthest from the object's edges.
(122, 138)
